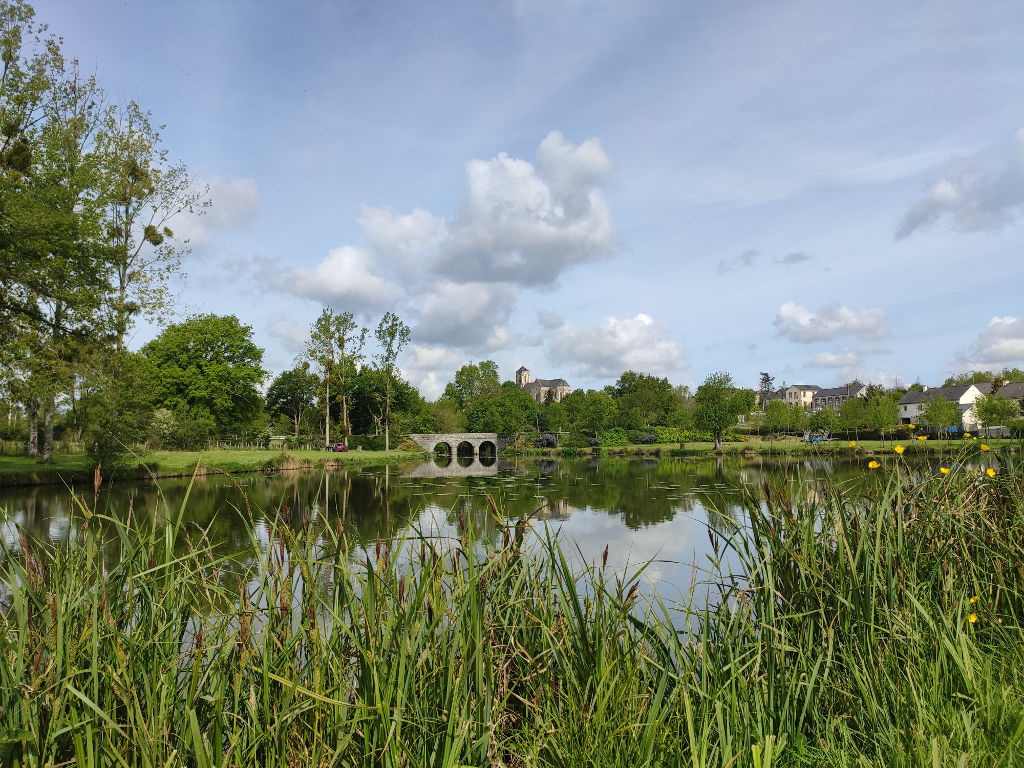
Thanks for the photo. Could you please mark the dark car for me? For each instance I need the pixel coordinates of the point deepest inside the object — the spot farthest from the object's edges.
(337, 447)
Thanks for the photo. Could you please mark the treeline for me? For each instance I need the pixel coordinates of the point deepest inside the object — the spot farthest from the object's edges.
(88, 195)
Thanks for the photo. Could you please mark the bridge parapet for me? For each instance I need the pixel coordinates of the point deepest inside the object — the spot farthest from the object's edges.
(454, 439)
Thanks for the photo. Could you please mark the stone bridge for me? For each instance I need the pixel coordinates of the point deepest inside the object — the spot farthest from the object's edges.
(475, 440)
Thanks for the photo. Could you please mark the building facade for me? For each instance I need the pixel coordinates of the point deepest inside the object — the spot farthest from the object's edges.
(912, 404)
(800, 394)
(835, 397)
(542, 390)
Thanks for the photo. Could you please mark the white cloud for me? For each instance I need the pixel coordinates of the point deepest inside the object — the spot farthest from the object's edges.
(346, 278)
(636, 343)
(468, 315)
(985, 192)
(848, 358)
(429, 367)
(794, 257)
(526, 225)
(235, 204)
(1001, 344)
(409, 242)
(831, 321)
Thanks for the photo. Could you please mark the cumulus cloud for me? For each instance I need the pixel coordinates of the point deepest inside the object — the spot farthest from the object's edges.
(745, 259)
(831, 321)
(1001, 343)
(428, 367)
(526, 224)
(467, 315)
(409, 242)
(984, 192)
(637, 343)
(235, 204)
(346, 278)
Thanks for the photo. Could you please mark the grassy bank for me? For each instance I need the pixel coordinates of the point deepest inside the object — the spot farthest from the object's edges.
(856, 631)
(785, 447)
(25, 470)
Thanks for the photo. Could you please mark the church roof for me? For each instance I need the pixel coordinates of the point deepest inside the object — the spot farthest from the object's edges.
(552, 382)
(523, 368)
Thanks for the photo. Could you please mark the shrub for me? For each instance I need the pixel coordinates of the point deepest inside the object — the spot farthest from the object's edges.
(546, 441)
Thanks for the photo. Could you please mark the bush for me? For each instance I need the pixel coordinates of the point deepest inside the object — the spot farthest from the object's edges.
(593, 442)
(614, 438)
(546, 441)
(648, 439)
(1016, 427)
(366, 442)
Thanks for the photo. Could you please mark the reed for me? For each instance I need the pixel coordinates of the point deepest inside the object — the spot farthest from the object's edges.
(830, 629)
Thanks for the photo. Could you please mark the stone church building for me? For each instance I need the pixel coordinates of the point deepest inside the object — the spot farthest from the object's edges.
(542, 389)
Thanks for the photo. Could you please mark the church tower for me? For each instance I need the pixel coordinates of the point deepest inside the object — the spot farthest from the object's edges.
(522, 377)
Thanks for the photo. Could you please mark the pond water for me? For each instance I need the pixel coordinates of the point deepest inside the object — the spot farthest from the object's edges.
(643, 510)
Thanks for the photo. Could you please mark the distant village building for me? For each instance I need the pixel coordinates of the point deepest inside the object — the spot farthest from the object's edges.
(913, 403)
(835, 397)
(800, 394)
(542, 390)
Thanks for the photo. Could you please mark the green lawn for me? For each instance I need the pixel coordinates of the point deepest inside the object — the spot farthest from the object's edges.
(25, 470)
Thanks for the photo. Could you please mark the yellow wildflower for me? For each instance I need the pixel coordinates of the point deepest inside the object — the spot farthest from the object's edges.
(922, 438)
(899, 449)
(990, 472)
(973, 618)
(944, 470)
(873, 464)
(967, 434)
(985, 447)
(853, 444)
(912, 426)
(974, 599)
(973, 438)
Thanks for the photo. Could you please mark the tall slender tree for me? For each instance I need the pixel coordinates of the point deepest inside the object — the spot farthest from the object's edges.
(392, 336)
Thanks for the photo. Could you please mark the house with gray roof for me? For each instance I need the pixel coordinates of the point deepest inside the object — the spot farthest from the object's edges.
(834, 397)
(913, 403)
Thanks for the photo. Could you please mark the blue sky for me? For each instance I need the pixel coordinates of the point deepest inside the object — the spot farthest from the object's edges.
(821, 191)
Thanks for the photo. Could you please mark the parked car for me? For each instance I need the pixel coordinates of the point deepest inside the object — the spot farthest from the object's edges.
(337, 447)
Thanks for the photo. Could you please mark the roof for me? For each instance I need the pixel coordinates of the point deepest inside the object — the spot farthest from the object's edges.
(523, 368)
(551, 382)
(850, 391)
(984, 387)
(1014, 390)
(925, 395)
(804, 387)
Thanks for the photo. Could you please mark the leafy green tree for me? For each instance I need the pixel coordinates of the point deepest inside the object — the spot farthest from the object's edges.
(643, 400)
(994, 410)
(473, 382)
(777, 416)
(514, 411)
(853, 414)
(118, 410)
(335, 346)
(142, 192)
(446, 416)
(973, 377)
(209, 362)
(882, 413)
(826, 420)
(392, 336)
(720, 404)
(941, 414)
(292, 393)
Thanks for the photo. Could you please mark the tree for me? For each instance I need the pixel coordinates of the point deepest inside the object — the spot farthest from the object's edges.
(392, 336)
(720, 404)
(882, 412)
(994, 410)
(941, 414)
(292, 393)
(765, 388)
(473, 382)
(141, 193)
(826, 420)
(209, 362)
(643, 400)
(853, 414)
(777, 416)
(335, 346)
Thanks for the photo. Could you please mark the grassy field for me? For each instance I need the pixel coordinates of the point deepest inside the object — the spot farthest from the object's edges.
(883, 630)
(25, 470)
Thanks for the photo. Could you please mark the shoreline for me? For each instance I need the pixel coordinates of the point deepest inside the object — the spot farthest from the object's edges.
(73, 469)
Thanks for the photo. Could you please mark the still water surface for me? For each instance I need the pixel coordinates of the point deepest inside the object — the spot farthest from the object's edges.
(643, 509)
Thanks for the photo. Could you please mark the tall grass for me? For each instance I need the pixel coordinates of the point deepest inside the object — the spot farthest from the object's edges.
(843, 637)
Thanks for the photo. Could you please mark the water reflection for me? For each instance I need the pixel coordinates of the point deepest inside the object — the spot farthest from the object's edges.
(643, 509)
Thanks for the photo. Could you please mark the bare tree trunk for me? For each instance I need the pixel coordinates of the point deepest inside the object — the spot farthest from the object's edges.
(33, 427)
(48, 432)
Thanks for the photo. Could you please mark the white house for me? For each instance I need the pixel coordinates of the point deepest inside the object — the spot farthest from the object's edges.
(913, 403)
(835, 397)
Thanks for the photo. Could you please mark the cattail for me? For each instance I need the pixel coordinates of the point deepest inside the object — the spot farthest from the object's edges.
(604, 557)
(401, 590)
(286, 512)
(377, 547)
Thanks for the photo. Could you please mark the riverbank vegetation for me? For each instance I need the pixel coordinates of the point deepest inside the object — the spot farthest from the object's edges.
(830, 629)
